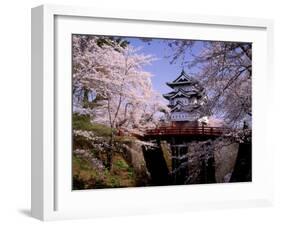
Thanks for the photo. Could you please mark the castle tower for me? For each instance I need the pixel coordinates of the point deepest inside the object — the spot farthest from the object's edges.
(186, 99)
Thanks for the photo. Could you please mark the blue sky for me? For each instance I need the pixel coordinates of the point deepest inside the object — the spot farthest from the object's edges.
(161, 68)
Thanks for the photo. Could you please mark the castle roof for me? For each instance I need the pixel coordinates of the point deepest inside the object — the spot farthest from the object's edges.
(178, 107)
(182, 79)
(180, 93)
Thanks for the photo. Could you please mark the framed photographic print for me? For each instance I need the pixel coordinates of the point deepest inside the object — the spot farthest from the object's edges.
(141, 113)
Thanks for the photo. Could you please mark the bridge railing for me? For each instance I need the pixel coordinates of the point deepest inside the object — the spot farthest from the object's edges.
(190, 130)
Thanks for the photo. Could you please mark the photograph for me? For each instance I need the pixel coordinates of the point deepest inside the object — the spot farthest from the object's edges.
(152, 111)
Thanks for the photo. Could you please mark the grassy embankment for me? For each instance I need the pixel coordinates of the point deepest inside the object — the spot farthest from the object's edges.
(86, 173)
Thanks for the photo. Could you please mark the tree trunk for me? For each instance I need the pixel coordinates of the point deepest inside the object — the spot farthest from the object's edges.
(109, 152)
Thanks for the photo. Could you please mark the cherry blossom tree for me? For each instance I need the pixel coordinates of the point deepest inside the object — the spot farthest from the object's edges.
(109, 84)
(113, 75)
(225, 70)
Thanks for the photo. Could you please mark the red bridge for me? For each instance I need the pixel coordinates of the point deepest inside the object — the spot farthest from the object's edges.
(187, 131)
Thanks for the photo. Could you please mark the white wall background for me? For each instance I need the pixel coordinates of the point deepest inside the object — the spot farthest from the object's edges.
(15, 112)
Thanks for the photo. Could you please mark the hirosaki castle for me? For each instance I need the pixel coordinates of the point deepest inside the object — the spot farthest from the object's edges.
(185, 100)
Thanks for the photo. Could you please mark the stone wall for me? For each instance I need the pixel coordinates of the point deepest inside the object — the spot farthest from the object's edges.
(210, 161)
(134, 156)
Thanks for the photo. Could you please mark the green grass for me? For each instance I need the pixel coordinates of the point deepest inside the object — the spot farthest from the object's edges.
(124, 139)
(81, 163)
(83, 122)
(121, 164)
(86, 177)
(131, 173)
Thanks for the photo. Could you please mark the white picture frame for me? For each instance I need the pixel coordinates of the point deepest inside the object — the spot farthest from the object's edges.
(51, 198)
